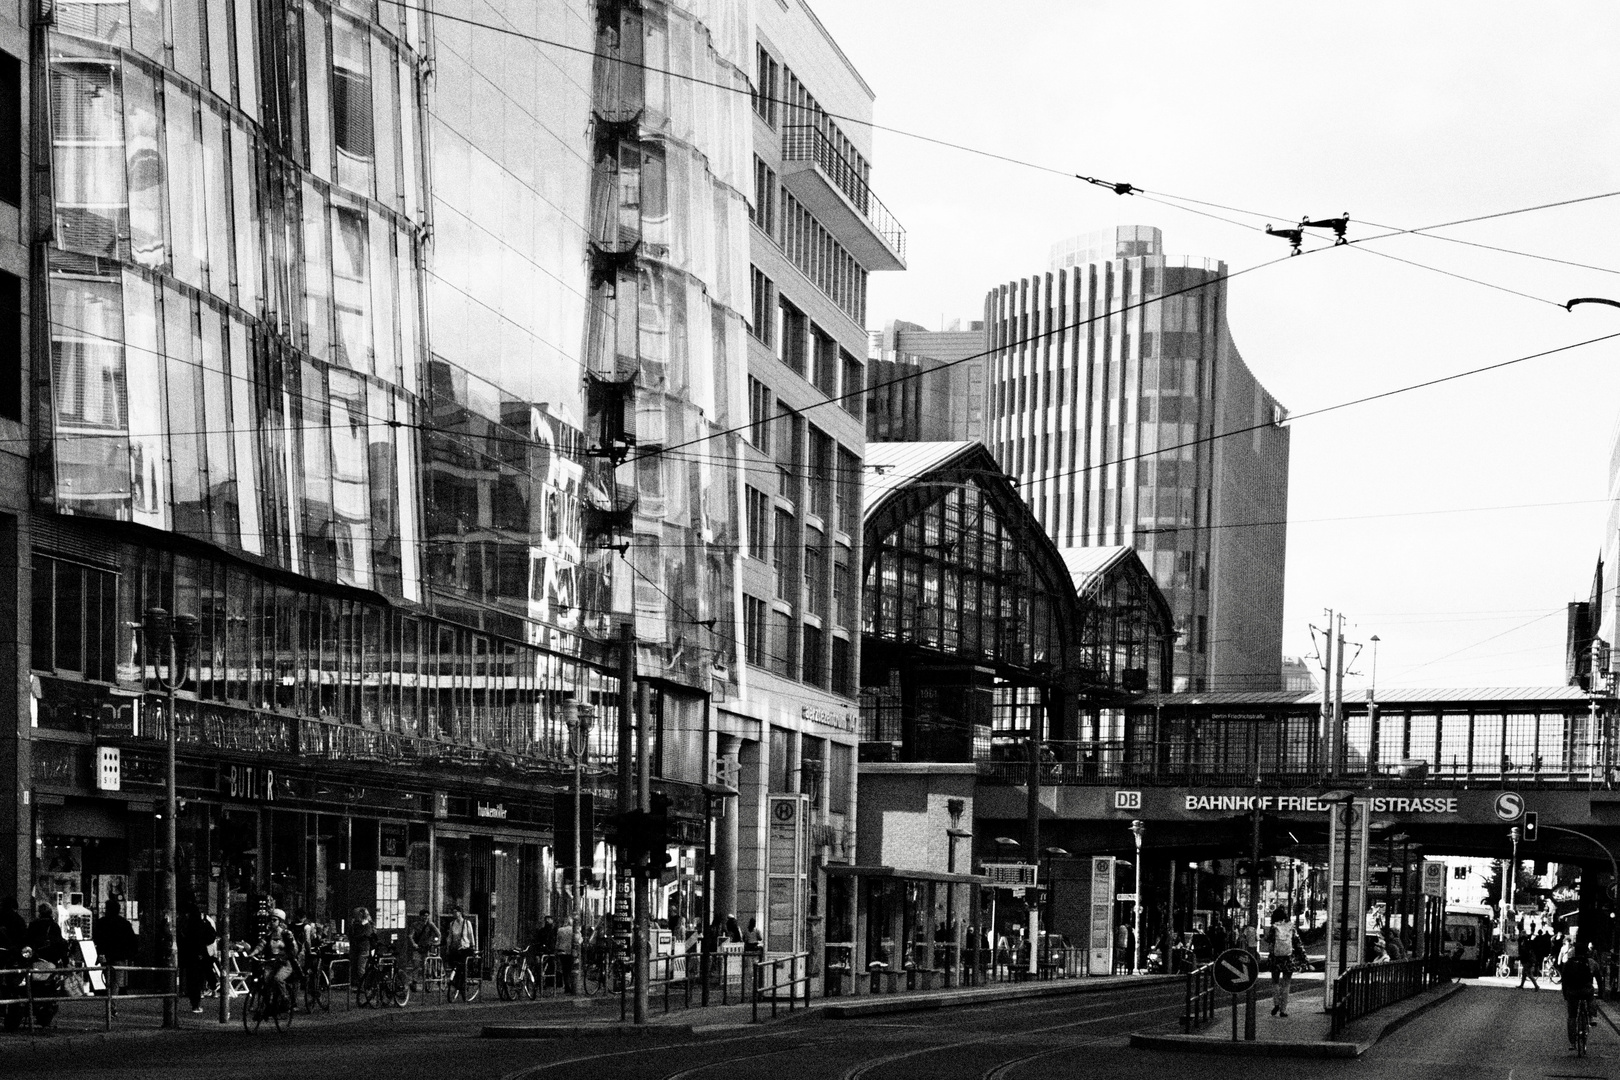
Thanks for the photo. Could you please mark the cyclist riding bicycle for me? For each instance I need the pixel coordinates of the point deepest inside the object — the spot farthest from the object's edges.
(279, 951)
(1578, 981)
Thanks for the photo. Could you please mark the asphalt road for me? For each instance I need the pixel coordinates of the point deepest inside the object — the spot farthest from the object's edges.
(1486, 1033)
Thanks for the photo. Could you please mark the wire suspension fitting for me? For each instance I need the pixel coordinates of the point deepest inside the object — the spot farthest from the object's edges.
(1117, 189)
(1296, 236)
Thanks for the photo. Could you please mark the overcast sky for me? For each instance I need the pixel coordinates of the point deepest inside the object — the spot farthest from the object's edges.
(1454, 522)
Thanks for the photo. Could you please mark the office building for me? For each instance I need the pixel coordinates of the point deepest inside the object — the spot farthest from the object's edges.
(787, 741)
(926, 385)
(1119, 402)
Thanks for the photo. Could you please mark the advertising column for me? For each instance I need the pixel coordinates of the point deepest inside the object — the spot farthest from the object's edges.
(1347, 890)
(1100, 951)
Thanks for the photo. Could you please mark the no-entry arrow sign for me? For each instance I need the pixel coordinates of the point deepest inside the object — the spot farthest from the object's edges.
(1236, 970)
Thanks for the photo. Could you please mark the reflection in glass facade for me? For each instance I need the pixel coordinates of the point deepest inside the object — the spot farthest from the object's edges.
(234, 280)
(664, 329)
(318, 281)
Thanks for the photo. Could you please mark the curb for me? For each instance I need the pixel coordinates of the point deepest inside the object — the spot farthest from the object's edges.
(579, 1031)
(886, 1005)
(1322, 1048)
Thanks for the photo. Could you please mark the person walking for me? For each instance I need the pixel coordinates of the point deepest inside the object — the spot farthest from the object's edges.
(460, 941)
(1530, 957)
(116, 943)
(196, 935)
(1280, 941)
(564, 943)
(362, 939)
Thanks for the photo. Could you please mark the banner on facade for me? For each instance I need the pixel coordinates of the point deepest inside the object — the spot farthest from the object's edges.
(1347, 888)
(1100, 954)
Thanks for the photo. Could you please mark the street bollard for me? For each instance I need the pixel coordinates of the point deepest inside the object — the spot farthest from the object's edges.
(1248, 1015)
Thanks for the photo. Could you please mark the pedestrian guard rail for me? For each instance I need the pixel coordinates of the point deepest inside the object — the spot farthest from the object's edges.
(1366, 988)
(79, 988)
(1199, 1006)
(716, 978)
(787, 976)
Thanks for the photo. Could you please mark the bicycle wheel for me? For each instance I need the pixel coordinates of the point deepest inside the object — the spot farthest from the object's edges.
(528, 983)
(590, 979)
(474, 984)
(506, 981)
(319, 991)
(282, 1010)
(402, 990)
(1550, 972)
(1583, 1023)
(252, 1010)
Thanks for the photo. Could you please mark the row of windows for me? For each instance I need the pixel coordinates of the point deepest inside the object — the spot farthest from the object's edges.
(276, 647)
(768, 639)
(779, 96)
(805, 348)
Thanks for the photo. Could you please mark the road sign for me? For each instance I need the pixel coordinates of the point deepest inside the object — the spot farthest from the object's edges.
(1510, 806)
(1434, 878)
(1236, 970)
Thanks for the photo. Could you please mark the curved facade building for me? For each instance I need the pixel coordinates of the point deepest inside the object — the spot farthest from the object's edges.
(1111, 376)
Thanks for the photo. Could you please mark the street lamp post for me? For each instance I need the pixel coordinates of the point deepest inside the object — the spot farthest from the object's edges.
(1138, 829)
(179, 633)
(1051, 889)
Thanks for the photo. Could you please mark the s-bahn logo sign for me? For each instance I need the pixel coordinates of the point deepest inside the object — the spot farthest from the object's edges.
(1383, 804)
(1510, 806)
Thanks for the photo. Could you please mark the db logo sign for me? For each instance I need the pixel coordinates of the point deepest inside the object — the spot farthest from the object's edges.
(1127, 800)
(1510, 806)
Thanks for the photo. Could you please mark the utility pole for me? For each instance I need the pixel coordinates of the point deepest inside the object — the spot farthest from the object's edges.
(1341, 757)
(1328, 740)
(643, 880)
(627, 709)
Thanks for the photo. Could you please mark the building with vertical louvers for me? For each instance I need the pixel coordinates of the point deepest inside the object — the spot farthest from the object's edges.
(1120, 404)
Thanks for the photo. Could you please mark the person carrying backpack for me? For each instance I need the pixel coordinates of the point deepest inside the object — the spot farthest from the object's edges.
(1280, 942)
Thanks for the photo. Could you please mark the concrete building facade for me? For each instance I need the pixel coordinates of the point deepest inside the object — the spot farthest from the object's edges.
(926, 385)
(1119, 402)
(787, 738)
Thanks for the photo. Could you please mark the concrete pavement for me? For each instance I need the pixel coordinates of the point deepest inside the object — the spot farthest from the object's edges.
(1304, 1032)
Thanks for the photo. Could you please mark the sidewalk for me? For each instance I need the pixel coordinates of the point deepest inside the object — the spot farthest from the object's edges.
(80, 1020)
(1302, 1033)
(698, 1020)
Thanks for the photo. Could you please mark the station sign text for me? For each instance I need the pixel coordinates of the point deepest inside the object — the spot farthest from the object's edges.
(1381, 804)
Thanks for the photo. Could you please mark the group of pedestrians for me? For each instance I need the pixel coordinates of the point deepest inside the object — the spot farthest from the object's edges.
(1529, 949)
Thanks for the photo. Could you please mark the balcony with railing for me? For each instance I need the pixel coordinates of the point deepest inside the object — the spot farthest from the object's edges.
(833, 189)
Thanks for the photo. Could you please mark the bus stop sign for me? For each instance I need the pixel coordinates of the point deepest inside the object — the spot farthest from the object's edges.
(1236, 970)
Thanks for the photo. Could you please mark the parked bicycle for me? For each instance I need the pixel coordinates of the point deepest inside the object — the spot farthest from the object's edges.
(468, 982)
(267, 999)
(318, 979)
(383, 982)
(515, 978)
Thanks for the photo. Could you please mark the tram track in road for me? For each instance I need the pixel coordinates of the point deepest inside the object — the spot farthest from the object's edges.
(864, 1069)
(987, 1013)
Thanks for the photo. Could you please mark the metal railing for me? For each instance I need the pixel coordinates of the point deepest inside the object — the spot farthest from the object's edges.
(769, 980)
(106, 998)
(1366, 988)
(1199, 1007)
(682, 974)
(1112, 761)
(806, 142)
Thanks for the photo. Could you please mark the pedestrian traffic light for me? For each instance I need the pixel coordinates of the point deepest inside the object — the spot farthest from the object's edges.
(1532, 827)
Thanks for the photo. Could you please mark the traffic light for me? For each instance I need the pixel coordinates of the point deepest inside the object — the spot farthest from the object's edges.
(658, 855)
(1532, 827)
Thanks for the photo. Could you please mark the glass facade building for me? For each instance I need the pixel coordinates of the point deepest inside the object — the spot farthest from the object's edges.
(316, 318)
(1113, 381)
